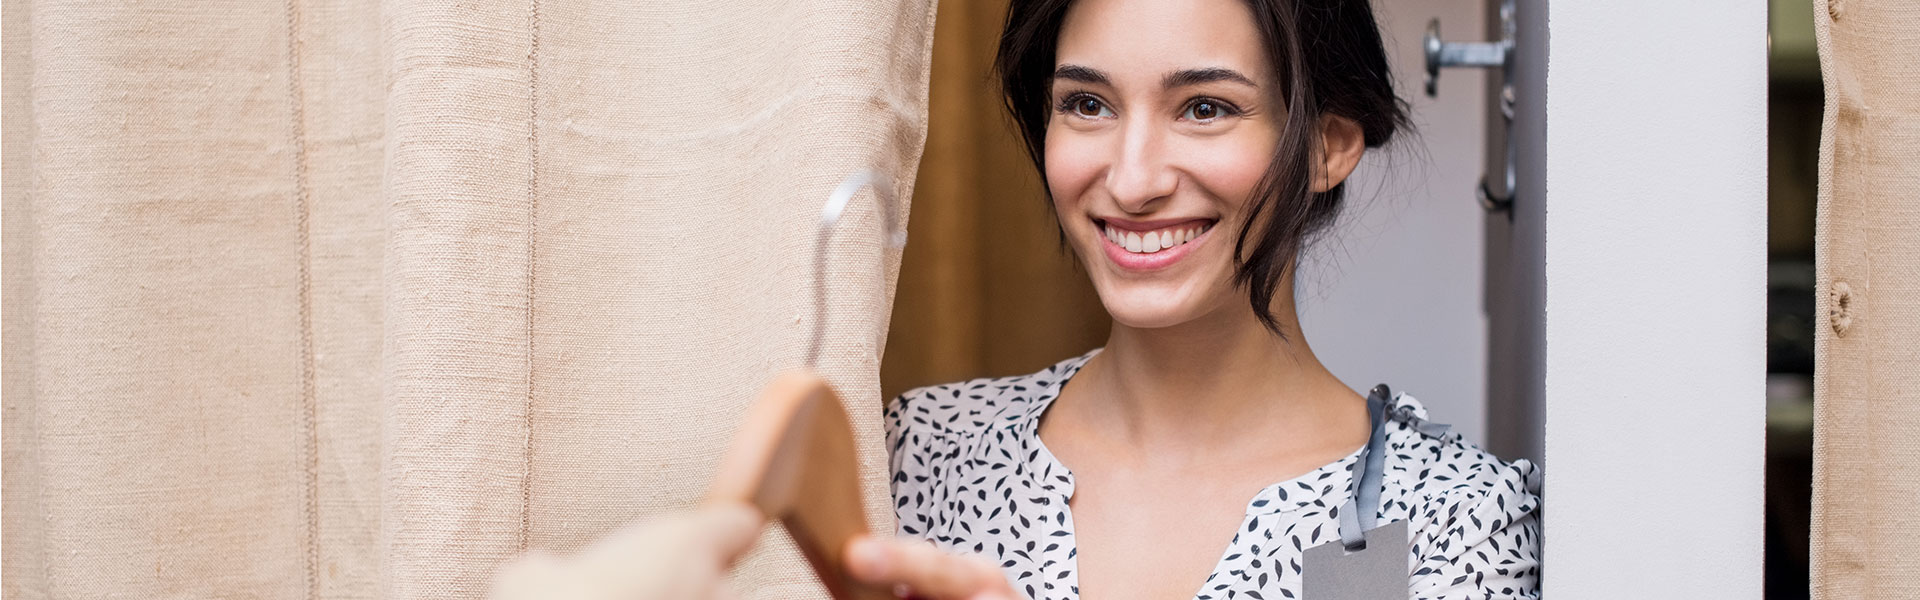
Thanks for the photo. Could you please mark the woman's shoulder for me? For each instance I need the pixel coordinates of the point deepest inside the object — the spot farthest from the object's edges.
(968, 408)
(933, 431)
(1428, 463)
(1473, 518)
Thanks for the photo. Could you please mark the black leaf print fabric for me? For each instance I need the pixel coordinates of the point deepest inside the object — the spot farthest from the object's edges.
(971, 475)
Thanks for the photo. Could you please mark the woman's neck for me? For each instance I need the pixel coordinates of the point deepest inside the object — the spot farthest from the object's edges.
(1202, 384)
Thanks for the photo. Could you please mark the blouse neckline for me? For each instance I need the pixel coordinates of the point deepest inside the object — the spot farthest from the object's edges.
(1311, 488)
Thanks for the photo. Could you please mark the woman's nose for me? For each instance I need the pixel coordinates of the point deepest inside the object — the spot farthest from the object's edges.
(1140, 173)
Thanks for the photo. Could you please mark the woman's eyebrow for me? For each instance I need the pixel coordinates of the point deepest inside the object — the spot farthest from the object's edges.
(1088, 75)
(1186, 77)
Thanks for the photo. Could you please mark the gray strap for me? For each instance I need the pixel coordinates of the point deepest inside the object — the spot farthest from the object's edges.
(1351, 535)
(1358, 515)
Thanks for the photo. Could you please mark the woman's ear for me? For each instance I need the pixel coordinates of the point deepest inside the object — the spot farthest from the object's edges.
(1341, 144)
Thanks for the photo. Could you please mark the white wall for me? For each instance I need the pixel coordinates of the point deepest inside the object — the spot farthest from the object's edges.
(1394, 295)
(1655, 298)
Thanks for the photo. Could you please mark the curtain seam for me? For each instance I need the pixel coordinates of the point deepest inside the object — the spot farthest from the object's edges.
(309, 408)
(533, 226)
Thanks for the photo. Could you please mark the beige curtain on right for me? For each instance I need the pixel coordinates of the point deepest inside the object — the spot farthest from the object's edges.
(1866, 535)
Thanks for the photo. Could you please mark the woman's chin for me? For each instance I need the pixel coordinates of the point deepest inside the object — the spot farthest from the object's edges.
(1143, 309)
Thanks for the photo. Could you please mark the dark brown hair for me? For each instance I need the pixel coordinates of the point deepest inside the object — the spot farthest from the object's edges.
(1328, 59)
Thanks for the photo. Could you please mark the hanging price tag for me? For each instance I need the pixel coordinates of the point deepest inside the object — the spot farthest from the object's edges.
(1377, 571)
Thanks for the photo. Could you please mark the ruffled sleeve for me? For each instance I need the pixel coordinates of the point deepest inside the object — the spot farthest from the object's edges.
(1480, 539)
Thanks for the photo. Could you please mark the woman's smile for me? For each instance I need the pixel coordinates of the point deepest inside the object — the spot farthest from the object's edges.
(1151, 245)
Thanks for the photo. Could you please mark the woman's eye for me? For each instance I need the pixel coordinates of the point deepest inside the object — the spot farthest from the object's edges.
(1205, 111)
(1089, 107)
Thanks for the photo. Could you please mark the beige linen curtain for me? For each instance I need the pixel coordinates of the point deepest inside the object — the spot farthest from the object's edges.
(1866, 535)
(359, 298)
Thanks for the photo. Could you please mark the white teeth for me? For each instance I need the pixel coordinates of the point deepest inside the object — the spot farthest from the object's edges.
(1152, 241)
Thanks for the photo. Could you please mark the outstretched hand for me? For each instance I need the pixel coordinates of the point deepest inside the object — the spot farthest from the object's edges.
(682, 556)
(685, 556)
(918, 570)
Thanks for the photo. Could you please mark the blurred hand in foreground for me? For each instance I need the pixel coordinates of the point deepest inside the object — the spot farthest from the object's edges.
(915, 569)
(685, 556)
(681, 556)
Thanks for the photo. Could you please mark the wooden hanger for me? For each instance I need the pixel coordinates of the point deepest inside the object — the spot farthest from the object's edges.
(794, 459)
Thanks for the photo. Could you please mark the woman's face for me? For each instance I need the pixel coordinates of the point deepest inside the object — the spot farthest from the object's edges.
(1163, 124)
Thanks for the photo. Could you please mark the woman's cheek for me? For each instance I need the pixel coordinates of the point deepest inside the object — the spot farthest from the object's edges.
(1253, 159)
(1068, 171)
(1230, 167)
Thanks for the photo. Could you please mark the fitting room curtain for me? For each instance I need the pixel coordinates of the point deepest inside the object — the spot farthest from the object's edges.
(1866, 469)
(359, 298)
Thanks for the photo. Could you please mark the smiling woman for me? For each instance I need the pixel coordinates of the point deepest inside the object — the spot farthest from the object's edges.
(1252, 111)
(1189, 150)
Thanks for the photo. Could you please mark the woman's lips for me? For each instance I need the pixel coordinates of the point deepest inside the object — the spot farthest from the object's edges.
(1146, 246)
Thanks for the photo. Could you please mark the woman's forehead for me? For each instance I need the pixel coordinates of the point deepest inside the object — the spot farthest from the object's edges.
(1141, 41)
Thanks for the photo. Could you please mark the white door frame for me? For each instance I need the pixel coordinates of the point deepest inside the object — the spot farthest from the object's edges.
(1655, 298)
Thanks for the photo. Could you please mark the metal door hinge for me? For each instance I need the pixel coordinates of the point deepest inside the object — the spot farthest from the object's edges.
(1485, 55)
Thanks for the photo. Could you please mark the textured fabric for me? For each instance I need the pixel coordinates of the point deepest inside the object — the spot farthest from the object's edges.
(355, 299)
(1866, 537)
(164, 433)
(970, 474)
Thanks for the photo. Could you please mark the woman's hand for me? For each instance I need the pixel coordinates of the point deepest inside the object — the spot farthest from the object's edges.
(918, 570)
(682, 556)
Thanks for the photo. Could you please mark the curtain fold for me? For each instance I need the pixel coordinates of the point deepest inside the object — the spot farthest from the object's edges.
(356, 299)
(1866, 462)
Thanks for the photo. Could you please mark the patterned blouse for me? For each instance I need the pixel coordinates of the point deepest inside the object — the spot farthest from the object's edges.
(970, 474)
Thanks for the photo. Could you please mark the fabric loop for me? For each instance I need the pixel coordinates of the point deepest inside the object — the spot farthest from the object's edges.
(1427, 428)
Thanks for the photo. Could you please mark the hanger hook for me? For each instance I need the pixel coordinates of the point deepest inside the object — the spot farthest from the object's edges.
(829, 216)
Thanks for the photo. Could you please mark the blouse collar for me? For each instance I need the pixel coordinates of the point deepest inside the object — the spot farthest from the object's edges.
(1321, 488)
